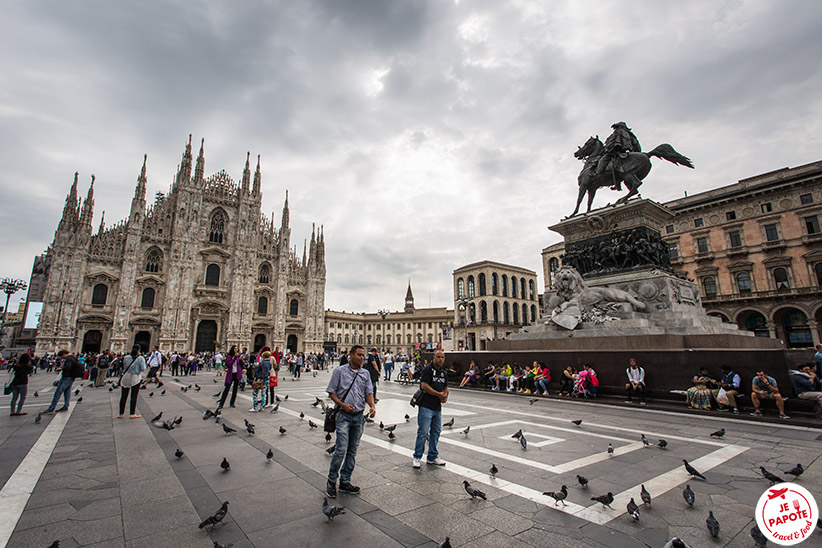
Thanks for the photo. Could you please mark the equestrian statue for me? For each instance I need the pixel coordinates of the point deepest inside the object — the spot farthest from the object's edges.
(619, 160)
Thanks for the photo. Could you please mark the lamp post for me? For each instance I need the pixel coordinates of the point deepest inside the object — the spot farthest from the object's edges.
(383, 312)
(464, 303)
(10, 286)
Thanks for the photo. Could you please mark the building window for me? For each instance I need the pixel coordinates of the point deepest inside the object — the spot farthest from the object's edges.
(780, 278)
(709, 285)
(673, 251)
(516, 314)
(772, 232)
(757, 323)
(818, 270)
(265, 273)
(262, 305)
(153, 260)
(522, 288)
(698, 223)
(730, 215)
(99, 294)
(471, 291)
(669, 229)
(812, 224)
(212, 275)
(147, 300)
(524, 315)
(735, 238)
(482, 285)
(533, 313)
(531, 289)
(514, 286)
(806, 198)
(506, 318)
(766, 207)
(743, 282)
(504, 285)
(494, 284)
(460, 288)
(797, 331)
(496, 304)
(702, 244)
(294, 307)
(215, 232)
(483, 312)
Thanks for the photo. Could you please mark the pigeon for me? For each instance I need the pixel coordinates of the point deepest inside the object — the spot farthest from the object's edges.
(494, 470)
(407, 418)
(269, 455)
(218, 545)
(225, 465)
(467, 428)
(688, 495)
(532, 401)
(168, 425)
(207, 414)
(382, 426)
(367, 420)
(80, 399)
(179, 453)
(163, 393)
(558, 496)
(176, 380)
(583, 481)
(577, 422)
(160, 385)
(111, 389)
(645, 495)
(718, 434)
(282, 430)
(644, 440)
(676, 542)
(796, 471)
(38, 418)
(56, 544)
(217, 417)
(446, 544)
(217, 395)
(771, 477)
(450, 423)
(285, 397)
(196, 387)
(331, 511)
(328, 436)
(391, 436)
(250, 429)
(247, 424)
(277, 398)
(312, 424)
(523, 442)
(217, 517)
(605, 499)
(178, 421)
(691, 470)
(610, 450)
(316, 402)
(473, 492)
(517, 434)
(151, 394)
(662, 444)
(391, 428)
(228, 430)
(331, 449)
(215, 381)
(633, 509)
(36, 395)
(302, 415)
(712, 525)
(76, 391)
(275, 408)
(758, 537)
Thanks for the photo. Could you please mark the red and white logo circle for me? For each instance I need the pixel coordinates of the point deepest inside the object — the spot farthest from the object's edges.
(786, 514)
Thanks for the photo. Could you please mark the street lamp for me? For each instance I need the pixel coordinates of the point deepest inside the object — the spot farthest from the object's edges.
(383, 312)
(10, 286)
(464, 303)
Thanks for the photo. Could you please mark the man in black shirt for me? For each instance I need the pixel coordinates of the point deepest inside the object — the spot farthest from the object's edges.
(372, 365)
(434, 384)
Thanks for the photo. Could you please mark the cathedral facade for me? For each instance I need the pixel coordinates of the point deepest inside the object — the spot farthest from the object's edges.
(202, 268)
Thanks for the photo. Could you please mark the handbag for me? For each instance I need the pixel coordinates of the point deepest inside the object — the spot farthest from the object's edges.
(257, 385)
(415, 399)
(273, 381)
(7, 387)
(330, 423)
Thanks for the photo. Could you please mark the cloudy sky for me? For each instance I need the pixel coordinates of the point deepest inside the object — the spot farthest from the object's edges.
(423, 135)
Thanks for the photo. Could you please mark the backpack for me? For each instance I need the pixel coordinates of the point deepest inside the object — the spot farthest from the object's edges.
(594, 380)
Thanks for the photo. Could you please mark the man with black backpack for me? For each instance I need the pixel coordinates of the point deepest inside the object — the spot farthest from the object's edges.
(72, 369)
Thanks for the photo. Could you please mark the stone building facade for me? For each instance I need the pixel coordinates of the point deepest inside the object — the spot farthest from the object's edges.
(400, 331)
(201, 268)
(492, 300)
(755, 250)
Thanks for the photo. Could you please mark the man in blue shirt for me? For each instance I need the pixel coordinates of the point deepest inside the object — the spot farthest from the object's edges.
(764, 386)
(350, 388)
(730, 382)
(434, 384)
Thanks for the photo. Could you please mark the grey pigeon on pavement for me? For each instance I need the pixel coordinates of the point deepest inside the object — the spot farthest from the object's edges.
(391, 428)
(312, 424)
(331, 449)
(558, 496)
(449, 424)
(207, 414)
(247, 424)
(328, 436)
(250, 429)
(391, 436)
(218, 517)
(691, 470)
(331, 511)
(662, 444)
(407, 417)
(718, 434)
(55, 544)
(36, 395)
(610, 450)
(633, 510)
(532, 401)
(688, 495)
(38, 418)
(494, 470)
(771, 477)
(644, 440)
(712, 525)
(178, 421)
(275, 408)
(218, 545)
(227, 429)
(473, 492)
(517, 434)
(225, 465)
(583, 481)
(577, 422)
(179, 453)
(302, 415)
(446, 543)
(523, 442)
(758, 537)
(605, 499)
(269, 455)
(645, 495)
(796, 471)
(467, 428)
(282, 430)
(676, 542)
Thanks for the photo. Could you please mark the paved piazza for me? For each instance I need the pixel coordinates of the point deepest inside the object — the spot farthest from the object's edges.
(88, 479)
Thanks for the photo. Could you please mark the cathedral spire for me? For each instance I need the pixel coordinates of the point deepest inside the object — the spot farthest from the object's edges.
(88, 205)
(305, 258)
(138, 203)
(102, 223)
(184, 173)
(70, 209)
(285, 232)
(247, 172)
(199, 169)
(257, 178)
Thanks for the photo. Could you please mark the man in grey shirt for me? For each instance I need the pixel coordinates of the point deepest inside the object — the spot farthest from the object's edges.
(350, 388)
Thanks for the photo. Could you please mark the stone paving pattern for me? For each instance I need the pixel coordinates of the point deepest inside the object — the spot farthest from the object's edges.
(115, 483)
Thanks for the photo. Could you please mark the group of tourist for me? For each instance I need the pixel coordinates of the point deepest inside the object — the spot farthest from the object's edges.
(536, 378)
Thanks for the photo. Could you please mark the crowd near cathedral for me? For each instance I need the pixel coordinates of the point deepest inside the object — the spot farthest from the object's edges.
(201, 268)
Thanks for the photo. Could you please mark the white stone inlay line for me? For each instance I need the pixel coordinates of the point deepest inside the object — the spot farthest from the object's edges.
(16, 492)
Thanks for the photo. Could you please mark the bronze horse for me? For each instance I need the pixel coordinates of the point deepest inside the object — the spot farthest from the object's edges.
(631, 170)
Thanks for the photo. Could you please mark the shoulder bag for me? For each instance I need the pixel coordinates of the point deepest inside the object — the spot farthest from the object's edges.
(417, 397)
(330, 423)
(7, 388)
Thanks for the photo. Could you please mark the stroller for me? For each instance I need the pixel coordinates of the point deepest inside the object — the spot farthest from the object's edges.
(585, 386)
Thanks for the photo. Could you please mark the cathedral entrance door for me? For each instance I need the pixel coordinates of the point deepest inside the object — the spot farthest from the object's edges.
(143, 339)
(206, 336)
(92, 341)
(291, 343)
(259, 342)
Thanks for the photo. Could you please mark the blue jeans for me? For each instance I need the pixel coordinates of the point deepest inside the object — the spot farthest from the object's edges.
(349, 432)
(389, 368)
(543, 385)
(429, 426)
(63, 389)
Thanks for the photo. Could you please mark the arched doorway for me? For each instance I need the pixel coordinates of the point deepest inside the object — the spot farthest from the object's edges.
(259, 342)
(291, 343)
(143, 338)
(797, 331)
(755, 322)
(92, 341)
(206, 336)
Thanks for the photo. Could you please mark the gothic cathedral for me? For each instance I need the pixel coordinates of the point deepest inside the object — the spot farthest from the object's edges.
(202, 269)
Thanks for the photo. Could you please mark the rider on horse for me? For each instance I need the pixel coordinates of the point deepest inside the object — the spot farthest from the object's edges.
(620, 143)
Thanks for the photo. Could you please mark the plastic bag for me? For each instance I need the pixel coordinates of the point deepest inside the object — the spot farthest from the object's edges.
(722, 397)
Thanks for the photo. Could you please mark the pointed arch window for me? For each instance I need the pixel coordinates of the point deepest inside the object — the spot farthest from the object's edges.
(262, 305)
(153, 259)
(147, 300)
(265, 273)
(217, 228)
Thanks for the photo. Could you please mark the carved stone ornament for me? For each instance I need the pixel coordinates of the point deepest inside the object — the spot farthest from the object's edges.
(578, 302)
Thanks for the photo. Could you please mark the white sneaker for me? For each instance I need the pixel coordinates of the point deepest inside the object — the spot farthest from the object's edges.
(416, 463)
(436, 462)
(252, 410)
